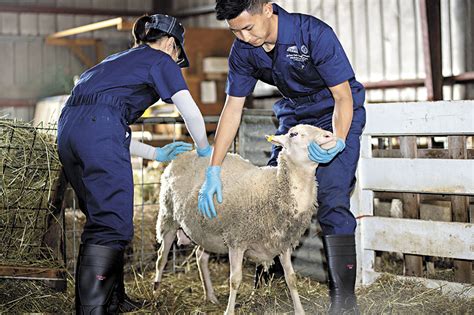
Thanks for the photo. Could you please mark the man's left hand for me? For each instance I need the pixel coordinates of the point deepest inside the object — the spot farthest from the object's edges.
(319, 155)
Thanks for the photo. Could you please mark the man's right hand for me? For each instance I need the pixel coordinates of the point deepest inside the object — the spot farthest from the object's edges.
(212, 185)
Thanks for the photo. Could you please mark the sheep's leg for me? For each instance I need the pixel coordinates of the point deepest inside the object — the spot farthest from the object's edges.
(236, 256)
(162, 259)
(290, 278)
(202, 259)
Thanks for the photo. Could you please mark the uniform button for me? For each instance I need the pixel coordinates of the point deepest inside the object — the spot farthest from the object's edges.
(94, 118)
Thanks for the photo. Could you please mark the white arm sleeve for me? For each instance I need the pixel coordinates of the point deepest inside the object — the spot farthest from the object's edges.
(143, 150)
(192, 117)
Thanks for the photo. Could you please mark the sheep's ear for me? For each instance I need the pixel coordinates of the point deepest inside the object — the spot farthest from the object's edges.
(280, 140)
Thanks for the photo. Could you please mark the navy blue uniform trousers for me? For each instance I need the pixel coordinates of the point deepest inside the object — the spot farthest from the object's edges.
(94, 150)
(336, 179)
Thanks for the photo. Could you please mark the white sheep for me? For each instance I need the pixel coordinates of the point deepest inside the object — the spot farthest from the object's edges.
(264, 213)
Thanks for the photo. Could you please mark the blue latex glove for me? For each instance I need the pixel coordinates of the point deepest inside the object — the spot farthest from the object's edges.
(204, 152)
(319, 155)
(170, 151)
(212, 185)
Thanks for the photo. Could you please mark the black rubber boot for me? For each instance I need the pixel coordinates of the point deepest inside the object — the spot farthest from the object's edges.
(96, 278)
(341, 259)
(263, 277)
(125, 303)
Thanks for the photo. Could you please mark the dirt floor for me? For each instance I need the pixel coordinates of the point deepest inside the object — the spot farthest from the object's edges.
(181, 293)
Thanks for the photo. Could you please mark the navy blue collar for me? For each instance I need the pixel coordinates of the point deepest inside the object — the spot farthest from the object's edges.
(286, 28)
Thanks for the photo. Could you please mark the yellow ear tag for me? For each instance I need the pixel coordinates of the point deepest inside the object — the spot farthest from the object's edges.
(269, 138)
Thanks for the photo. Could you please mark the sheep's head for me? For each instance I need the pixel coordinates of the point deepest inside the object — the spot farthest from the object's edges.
(295, 142)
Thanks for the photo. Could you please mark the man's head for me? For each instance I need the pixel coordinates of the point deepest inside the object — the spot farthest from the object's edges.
(249, 20)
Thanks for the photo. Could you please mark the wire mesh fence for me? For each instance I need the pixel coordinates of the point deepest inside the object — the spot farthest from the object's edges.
(30, 221)
(141, 253)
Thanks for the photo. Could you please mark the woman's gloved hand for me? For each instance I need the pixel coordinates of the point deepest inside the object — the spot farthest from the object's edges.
(319, 155)
(170, 151)
(204, 152)
(212, 185)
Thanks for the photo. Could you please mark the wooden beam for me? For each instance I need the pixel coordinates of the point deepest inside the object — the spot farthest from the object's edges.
(451, 240)
(431, 29)
(460, 208)
(88, 28)
(71, 42)
(411, 207)
(430, 176)
(75, 46)
(76, 50)
(31, 273)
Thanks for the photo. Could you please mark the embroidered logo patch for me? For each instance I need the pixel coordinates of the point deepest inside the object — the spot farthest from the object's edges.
(304, 49)
(292, 49)
(100, 277)
(295, 55)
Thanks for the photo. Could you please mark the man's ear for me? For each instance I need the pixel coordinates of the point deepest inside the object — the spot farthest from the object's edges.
(267, 9)
(281, 140)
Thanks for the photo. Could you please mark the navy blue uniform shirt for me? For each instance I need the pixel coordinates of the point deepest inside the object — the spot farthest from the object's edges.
(138, 77)
(308, 58)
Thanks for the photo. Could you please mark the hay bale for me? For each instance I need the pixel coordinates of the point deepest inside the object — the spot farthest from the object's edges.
(181, 293)
(30, 170)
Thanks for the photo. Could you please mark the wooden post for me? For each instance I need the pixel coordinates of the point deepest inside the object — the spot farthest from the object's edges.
(430, 11)
(411, 208)
(460, 208)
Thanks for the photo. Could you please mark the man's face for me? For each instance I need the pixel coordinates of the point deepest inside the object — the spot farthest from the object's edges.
(253, 29)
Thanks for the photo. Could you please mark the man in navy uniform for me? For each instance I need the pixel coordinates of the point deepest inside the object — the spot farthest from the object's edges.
(302, 57)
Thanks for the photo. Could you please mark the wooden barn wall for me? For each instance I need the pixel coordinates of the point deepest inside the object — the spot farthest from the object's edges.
(383, 39)
(30, 68)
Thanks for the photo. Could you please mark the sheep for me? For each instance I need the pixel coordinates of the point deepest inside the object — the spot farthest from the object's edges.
(264, 213)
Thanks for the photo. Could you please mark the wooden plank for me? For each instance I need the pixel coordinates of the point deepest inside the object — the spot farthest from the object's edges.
(460, 208)
(365, 257)
(10, 23)
(83, 20)
(87, 28)
(50, 67)
(452, 289)
(422, 153)
(71, 42)
(7, 64)
(417, 175)
(430, 11)
(47, 24)
(29, 24)
(359, 26)
(21, 62)
(35, 63)
(420, 118)
(31, 273)
(413, 265)
(451, 240)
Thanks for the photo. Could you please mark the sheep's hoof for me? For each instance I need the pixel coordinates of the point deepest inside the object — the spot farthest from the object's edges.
(212, 299)
(156, 287)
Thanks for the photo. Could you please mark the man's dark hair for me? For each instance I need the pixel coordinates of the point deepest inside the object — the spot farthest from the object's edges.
(230, 9)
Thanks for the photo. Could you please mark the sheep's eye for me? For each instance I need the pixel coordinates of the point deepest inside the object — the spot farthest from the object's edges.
(293, 134)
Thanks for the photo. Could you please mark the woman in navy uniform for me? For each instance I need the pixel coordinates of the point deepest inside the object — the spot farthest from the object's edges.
(302, 57)
(94, 144)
